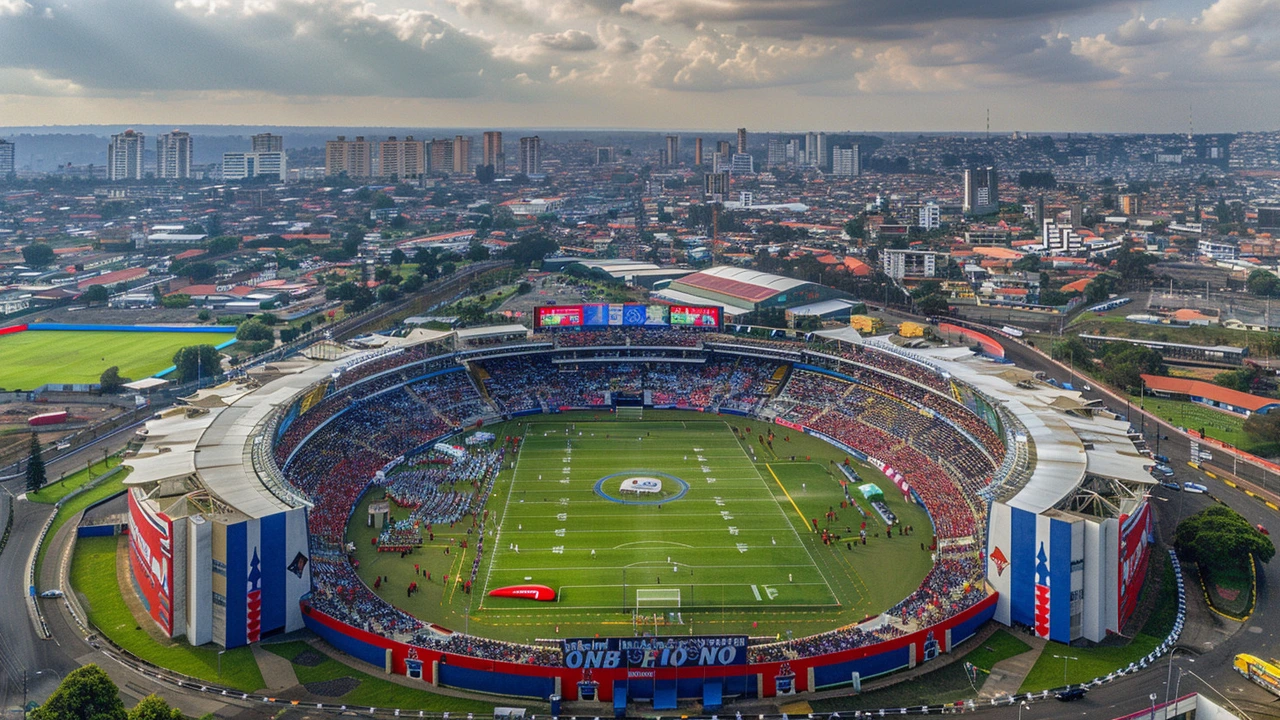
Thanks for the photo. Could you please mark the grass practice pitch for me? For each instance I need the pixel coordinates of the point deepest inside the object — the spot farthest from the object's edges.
(726, 545)
(31, 359)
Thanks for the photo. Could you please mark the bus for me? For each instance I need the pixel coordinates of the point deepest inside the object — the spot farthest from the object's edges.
(1266, 674)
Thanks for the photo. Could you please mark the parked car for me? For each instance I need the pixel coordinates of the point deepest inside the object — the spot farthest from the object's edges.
(1071, 693)
(1160, 459)
(1164, 470)
(51, 594)
(1171, 486)
(1262, 529)
(1194, 487)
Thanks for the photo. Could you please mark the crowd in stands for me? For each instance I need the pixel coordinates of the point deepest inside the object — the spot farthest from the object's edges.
(452, 396)
(641, 336)
(879, 415)
(954, 584)
(391, 358)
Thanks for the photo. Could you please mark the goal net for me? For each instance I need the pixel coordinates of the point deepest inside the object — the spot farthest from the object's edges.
(657, 598)
(626, 412)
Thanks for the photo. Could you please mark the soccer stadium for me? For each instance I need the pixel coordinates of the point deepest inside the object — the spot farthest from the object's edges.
(638, 504)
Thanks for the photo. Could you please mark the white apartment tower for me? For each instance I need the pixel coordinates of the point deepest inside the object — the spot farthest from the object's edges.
(846, 162)
(124, 156)
(531, 155)
(173, 156)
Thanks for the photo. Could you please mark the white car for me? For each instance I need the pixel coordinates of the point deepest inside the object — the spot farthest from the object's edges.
(1194, 487)
(51, 594)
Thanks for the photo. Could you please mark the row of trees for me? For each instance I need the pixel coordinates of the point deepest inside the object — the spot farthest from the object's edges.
(87, 693)
(1118, 364)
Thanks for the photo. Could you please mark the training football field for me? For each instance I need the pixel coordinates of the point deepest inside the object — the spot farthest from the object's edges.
(31, 359)
(713, 536)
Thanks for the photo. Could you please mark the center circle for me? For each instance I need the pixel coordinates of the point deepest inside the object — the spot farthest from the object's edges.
(650, 487)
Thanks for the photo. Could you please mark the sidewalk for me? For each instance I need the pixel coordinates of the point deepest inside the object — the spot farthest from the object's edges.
(1008, 675)
(277, 673)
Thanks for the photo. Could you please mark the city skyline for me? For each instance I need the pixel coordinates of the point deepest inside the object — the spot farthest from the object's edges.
(867, 65)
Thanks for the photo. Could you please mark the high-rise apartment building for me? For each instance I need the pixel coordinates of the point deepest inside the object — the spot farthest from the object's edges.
(124, 156)
(353, 158)
(846, 162)
(266, 142)
(6, 158)
(531, 155)
(440, 156)
(697, 151)
(402, 159)
(776, 156)
(672, 156)
(824, 156)
(981, 192)
(724, 149)
(173, 156)
(810, 149)
(245, 165)
(462, 155)
(604, 156)
(742, 164)
(493, 153)
(742, 141)
(715, 186)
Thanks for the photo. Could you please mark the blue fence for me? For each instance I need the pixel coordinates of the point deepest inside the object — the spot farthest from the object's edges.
(132, 328)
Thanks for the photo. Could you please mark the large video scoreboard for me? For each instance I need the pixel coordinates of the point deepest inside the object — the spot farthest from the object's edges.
(627, 315)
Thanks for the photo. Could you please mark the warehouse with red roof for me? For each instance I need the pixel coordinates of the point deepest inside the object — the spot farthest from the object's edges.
(739, 290)
(1214, 396)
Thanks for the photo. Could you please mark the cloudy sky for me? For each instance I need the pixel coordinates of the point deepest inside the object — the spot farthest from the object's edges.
(1039, 65)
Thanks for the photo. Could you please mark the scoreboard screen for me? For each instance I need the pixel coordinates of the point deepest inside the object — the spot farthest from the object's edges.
(626, 315)
(553, 316)
(695, 315)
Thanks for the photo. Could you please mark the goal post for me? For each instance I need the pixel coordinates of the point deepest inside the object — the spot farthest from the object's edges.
(657, 598)
(630, 412)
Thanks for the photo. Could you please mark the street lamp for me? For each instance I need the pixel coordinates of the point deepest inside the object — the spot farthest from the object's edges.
(1153, 705)
(1023, 704)
(24, 685)
(220, 654)
(1064, 659)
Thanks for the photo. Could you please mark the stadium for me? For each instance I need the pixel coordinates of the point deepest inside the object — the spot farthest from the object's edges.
(640, 504)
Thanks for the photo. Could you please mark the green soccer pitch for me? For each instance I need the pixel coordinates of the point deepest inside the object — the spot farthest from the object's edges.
(726, 546)
(35, 357)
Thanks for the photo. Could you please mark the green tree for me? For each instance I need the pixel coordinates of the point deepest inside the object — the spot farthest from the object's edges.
(223, 245)
(1221, 539)
(1071, 350)
(254, 330)
(448, 268)
(178, 300)
(1263, 283)
(388, 293)
(35, 465)
(412, 284)
(95, 294)
(932, 304)
(196, 361)
(398, 257)
(477, 252)
(110, 380)
(38, 255)
(1263, 427)
(1098, 289)
(1240, 380)
(199, 271)
(382, 201)
(154, 707)
(530, 249)
(87, 693)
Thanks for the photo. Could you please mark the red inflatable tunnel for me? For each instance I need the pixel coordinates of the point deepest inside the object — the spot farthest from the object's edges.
(13, 329)
(541, 593)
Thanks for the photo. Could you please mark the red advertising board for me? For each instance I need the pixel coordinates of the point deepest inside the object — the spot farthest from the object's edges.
(1134, 554)
(151, 559)
(695, 315)
(558, 316)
